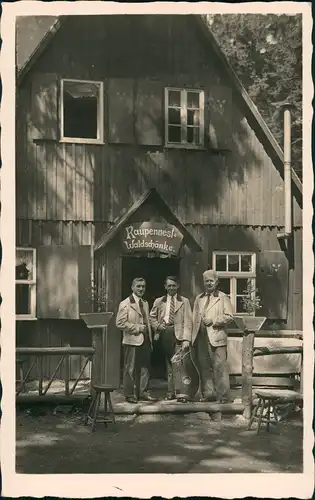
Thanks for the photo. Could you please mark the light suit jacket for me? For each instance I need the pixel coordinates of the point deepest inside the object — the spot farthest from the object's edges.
(219, 311)
(129, 319)
(182, 316)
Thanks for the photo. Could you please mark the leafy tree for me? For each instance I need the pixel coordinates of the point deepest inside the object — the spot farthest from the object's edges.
(265, 51)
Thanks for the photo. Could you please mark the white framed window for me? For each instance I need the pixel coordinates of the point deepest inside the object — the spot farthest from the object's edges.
(237, 273)
(81, 111)
(25, 283)
(184, 118)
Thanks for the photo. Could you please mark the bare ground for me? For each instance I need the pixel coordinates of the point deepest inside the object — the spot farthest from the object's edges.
(49, 443)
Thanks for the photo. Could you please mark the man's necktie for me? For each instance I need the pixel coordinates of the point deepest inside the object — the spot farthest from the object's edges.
(207, 302)
(172, 310)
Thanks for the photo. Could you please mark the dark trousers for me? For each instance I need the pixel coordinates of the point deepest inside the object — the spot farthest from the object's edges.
(170, 345)
(213, 367)
(136, 369)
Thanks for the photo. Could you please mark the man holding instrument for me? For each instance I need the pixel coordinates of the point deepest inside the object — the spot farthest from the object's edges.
(171, 320)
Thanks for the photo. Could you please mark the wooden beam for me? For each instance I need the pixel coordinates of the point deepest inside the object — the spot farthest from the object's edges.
(266, 381)
(40, 351)
(29, 399)
(265, 351)
(138, 409)
(294, 334)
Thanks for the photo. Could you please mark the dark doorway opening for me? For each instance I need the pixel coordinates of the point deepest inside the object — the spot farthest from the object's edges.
(154, 270)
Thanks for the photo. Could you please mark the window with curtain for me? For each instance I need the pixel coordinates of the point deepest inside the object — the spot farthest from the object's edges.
(237, 274)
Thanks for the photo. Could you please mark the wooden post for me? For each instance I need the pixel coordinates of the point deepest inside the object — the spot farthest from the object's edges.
(67, 374)
(97, 362)
(106, 344)
(247, 372)
(40, 381)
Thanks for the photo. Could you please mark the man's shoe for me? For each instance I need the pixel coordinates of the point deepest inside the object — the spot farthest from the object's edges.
(169, 397)
(207, 399)
(182, 400)
(147, 397)
(131, 400)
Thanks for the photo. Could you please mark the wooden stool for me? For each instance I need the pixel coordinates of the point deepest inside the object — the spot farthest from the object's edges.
(94, 408)
(268, 399)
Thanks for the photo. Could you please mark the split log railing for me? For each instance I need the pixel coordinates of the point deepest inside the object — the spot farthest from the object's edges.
(248, 354)
(249, 351)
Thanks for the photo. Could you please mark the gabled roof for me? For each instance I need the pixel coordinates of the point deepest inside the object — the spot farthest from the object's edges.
(257, 122)
(153, 197)
(256, 116)
(33, 33)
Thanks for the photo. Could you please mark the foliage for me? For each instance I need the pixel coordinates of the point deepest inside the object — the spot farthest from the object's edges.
(265, 51)
(251, 300)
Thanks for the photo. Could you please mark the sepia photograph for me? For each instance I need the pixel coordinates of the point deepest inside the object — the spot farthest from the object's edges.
(159, 315)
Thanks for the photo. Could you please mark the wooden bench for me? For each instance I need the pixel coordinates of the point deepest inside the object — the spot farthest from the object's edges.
(268, 399)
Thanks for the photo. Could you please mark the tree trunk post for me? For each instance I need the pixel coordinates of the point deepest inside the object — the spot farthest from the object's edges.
(104, 355)
(247, 373)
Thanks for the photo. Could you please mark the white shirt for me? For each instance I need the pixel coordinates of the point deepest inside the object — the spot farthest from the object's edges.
(137, 302)
(168, 305)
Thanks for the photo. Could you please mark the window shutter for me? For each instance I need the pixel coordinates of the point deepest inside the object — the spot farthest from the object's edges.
(149, 113)
(121, 111)
(45, 106)
(63, 281)
(218, 116)
(272, 283)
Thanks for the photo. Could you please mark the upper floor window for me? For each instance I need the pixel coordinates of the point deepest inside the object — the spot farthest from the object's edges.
(25, 283)
(184, 117)
(81, 112)
(237, 273)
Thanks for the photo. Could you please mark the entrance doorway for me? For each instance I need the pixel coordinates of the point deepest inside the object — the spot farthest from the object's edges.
(154, 270)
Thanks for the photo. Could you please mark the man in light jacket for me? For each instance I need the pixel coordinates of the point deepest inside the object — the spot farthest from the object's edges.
(212, 313)
(133, 319)
(171, 320)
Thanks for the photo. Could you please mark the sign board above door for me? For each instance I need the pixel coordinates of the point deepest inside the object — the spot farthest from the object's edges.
(151, 236)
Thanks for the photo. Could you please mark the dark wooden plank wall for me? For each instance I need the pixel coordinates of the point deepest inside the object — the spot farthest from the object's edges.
(77, 182)
(94, 182)
(257, 239)
(35, 233)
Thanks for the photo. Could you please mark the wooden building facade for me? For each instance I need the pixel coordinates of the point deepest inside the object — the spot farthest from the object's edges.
(139, 121)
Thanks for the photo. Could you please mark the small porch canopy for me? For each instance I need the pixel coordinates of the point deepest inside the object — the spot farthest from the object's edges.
(151, 197)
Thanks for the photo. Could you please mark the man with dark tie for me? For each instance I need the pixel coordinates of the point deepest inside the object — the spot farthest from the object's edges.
(171, 320)
(133, 319)
(212, 312)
